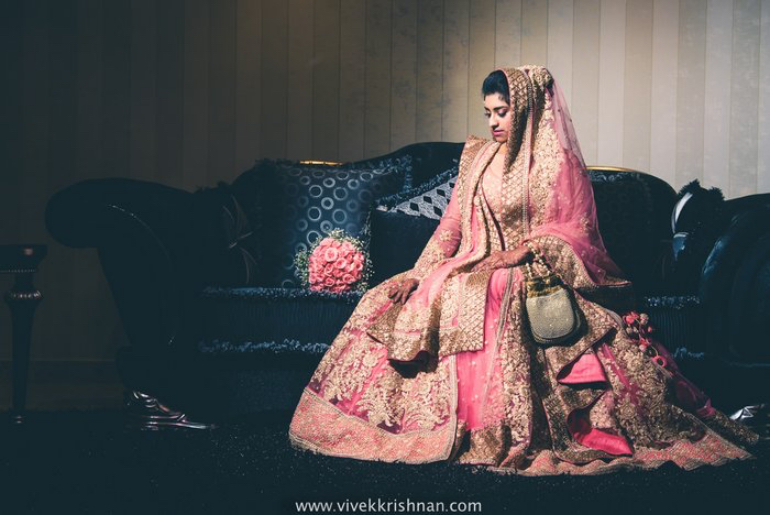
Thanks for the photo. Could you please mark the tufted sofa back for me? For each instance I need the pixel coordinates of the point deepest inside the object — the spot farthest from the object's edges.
(633, 210)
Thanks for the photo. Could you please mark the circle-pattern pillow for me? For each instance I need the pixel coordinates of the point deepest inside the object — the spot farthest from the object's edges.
(302, 202)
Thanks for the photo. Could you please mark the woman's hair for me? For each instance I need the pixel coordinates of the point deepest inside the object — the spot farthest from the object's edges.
(496, 82)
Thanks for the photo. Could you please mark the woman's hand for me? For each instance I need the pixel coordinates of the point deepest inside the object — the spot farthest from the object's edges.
(504, 258)
(400, 291)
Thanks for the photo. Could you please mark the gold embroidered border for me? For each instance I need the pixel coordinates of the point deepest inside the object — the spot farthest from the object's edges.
(711, 450)
(732, 430)
(486, 446)
(320, 427)
(558, 402)
(469, 334)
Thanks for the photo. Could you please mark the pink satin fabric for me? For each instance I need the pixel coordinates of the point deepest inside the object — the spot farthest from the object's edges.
(588, 369)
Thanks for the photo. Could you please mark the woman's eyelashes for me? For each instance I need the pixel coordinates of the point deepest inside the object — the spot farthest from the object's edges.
(500, 114)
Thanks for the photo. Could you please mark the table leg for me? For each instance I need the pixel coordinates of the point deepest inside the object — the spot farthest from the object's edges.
(22, 300)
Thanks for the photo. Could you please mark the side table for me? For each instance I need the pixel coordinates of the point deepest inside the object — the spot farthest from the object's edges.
(22, 299)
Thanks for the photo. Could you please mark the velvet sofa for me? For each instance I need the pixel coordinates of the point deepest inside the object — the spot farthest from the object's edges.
(220, 326)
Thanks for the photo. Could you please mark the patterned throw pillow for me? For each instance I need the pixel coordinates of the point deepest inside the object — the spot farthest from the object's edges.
(402, 224)
(429, 199)
(300, 202)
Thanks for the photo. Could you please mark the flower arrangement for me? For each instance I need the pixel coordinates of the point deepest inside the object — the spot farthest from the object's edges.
(335, 263)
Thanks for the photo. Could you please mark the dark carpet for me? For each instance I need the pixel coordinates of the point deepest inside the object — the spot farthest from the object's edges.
(88, 462)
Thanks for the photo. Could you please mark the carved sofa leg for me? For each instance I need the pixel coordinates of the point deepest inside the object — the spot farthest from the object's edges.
(148, 413)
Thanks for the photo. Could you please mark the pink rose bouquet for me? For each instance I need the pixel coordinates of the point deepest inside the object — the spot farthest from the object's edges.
(336, 263)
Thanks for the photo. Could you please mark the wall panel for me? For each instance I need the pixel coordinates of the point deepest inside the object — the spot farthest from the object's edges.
(326, 80)
(189, 92)
(691, 92)
(299, 106)
(430, 66)
(403, 86)
(454, 115)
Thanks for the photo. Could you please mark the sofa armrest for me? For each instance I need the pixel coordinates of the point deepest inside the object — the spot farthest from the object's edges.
(735, 285)
(81, 214)
(149, 246)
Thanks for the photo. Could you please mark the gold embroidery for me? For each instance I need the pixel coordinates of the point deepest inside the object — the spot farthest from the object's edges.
(382, 401)
(427, 401)
(736, 431)
(644, 411)
(469, 332)
(351, 370)
(495, 243)
(450, 302)
(400, 403)
(486, 446)
(548, 162)
(599, 415)
(711, 450)
(321, 427)
(516, 359)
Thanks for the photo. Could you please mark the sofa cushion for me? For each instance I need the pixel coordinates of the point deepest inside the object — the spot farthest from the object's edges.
(396, 243)
(254, 320)
(300, 202)
(401, 224)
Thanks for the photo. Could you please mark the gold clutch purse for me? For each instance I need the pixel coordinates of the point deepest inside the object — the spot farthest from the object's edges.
(552, 313)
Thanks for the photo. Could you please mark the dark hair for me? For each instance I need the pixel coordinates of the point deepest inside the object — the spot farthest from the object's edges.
(496, 82)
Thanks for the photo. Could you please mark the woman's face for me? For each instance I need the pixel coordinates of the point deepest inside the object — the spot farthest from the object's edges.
(498, 112)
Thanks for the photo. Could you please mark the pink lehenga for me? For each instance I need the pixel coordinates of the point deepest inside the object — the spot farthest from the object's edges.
(486, 393)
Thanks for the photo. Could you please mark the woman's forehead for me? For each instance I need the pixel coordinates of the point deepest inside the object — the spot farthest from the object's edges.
(494, 101)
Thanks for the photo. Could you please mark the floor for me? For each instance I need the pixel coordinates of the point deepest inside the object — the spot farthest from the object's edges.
(66, 385)
(89, 462)
(75, 454)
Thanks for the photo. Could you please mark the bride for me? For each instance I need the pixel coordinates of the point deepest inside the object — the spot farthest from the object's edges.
(439, 363)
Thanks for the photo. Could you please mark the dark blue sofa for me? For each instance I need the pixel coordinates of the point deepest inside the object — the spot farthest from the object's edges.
(214, 337)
